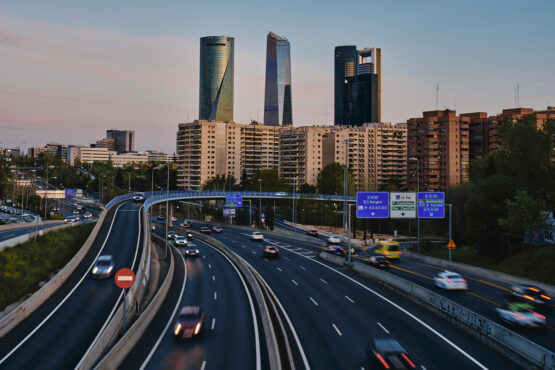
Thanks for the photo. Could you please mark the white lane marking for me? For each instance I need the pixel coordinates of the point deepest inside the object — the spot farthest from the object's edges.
(294, 282)
(438, 334)
(422, 366)
(209, 266)
(337, 330)
(213, 323)
(203, 256)
(164, 332)
(213, 278)
(287, 258)
(215, 296)
(124, 278)
(323, 281)
(203, 365)
(352, 301)
(242, 246)
(302, 267)
(313, 301)
(383, 327)
(253, 313)
(267, 260)
(253, 252)
(279, 269)
(67, 296)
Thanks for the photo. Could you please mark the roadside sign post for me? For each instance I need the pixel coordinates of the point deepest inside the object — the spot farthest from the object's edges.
(430, 205)
(125, 278)
(403, 205)
(373, 204)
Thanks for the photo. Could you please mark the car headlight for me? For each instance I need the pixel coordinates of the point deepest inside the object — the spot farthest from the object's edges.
(197, 328)
(110, 269)
(177, 329)
(95, 270)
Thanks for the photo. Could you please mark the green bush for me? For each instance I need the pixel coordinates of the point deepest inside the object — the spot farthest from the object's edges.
(23, 266)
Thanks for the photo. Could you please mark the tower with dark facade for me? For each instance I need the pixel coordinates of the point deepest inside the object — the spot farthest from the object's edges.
(277, 97)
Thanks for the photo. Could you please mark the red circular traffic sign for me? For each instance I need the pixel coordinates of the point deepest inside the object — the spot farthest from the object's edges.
(125, 278)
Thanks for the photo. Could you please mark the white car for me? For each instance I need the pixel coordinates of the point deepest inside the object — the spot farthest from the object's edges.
(280, 194)
(521, 315)
(257, 235)
(450, 281)
(181, 241)
(334, 239)
(139, 197)
(70, 219)
(87, 215)
(174, 219)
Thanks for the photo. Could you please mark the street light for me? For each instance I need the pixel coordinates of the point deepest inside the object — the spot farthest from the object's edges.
(260, 199)
(347, 143)
(167, 209)
(349, 242)
(417, 191)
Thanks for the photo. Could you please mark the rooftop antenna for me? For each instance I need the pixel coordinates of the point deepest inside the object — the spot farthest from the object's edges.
(437, 96)
(518, 94)
(515, 96)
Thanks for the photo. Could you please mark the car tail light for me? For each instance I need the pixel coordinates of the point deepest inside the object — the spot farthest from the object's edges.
(528, 297)
(384, 363)
(535, 290)
(463, 281)
(277, 250)
(408, 360)
(177, 329)
(539, 315)
(545, 297)
(450, 281)
(517, 315)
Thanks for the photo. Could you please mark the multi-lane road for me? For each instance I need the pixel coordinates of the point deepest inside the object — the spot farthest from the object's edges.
(60, 332)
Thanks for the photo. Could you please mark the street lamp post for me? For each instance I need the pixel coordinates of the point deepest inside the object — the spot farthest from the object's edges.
(167, 210)
(450, 250)
(260, 198)
(349, 237)
(347, 143)
(294, 215)
(417, 191)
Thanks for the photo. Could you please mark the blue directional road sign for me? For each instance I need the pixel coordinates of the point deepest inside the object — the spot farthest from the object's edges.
(431, 205)
(70, 193)
(373, 204)
(233, 200)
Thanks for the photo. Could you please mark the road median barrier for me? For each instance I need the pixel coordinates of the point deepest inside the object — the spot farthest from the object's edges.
(506, 341)
(28, 306)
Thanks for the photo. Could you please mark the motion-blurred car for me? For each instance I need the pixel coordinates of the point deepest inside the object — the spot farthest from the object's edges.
(334, 239)
(337, 250)
(87, 215)
(70, 219)
(139, 197)
(378, 261)
(181, 241)
(172, 234)
(191, 251)
(313, 233)
(529, 294)
(205, 230)
(217, 229)
(521, 315)
(450, 281)
(153, 228)
(270, 252)
(103, 267)
(389, 248)
(188, 323)
(389, 354)
(185, 225)
(75, 212)
(174, 219)
(257, 236)
(161, 217)
(280, 194)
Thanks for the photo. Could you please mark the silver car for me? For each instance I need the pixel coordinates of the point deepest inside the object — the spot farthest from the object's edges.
(521, 315)
(103, 267)
(181, 241)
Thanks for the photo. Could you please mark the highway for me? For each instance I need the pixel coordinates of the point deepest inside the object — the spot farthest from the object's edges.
(483, 296)
(9, 234)
(228, 339)
(60, 332)
(336, 314)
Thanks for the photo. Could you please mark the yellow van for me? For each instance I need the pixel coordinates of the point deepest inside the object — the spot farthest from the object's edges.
(390, 249)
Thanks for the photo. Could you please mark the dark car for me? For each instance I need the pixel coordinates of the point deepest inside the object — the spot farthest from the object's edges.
(389, 354)
(172, 234)
(337, 250)
(529, 294)
(185, 225)
(191, 250)
(205, 230)
(188, 323)
(379, 262)
(217, 229)
(313, 233)
(103, 267)
(270, 252)
(161, 217)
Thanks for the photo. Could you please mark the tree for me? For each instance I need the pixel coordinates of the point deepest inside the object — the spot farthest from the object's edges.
(220, 182)
(118, 181)
(524, 214)
(331, 180)
(307, 189)
(393, 183)
(270, 181)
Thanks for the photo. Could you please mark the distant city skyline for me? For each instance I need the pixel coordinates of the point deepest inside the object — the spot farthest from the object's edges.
(69, 72)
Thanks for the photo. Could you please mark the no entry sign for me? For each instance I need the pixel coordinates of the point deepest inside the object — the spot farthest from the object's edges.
(125, 278)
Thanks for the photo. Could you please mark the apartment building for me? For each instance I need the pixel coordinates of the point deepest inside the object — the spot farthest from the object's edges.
(438, 148)
(375, 152)
(36, 151)
(123, 159)
(209, 148)
(88, 155)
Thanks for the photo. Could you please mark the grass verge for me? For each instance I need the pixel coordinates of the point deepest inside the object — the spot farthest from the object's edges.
(536, 263)
(23, 266)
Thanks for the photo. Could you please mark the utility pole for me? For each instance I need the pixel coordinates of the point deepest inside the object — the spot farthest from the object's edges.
(417, 191)
(167, 210)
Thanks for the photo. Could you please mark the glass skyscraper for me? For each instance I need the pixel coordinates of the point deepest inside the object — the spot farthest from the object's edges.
(277, 98)
(346, 65)
(216, 78)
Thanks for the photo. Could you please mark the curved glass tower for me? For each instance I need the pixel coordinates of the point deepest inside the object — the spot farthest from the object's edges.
(216, 78)
(277, 97)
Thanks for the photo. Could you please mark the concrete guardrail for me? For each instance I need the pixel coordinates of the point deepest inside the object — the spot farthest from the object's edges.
(28, 306)
(511, 344)
(133, 299)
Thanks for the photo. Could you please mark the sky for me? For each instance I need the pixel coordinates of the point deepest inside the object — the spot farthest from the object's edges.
(71, 70)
